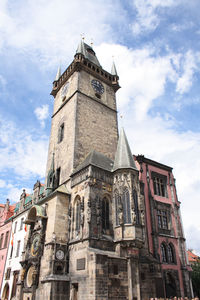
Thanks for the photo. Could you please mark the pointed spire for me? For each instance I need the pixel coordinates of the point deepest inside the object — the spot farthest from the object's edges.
(58, 74)
(81, 48)
(123, 156)
(114, 70)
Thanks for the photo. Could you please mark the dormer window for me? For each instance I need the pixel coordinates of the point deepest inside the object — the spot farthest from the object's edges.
(89, 50)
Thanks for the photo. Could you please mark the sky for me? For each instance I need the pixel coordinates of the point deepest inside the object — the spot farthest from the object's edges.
(156, 48)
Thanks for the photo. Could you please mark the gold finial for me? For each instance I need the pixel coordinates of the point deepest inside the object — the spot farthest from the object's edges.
(92, 43)
(83, 36)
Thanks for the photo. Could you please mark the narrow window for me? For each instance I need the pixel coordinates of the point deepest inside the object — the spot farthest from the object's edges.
(159, 185)
(8, 274)
(162, 219)
(170, 254)
(78, 215)
(105, 214)
(163, 253)
(21, 224)
(11, 251)
(117, 203)
(61, 133)
(18, 248)
(1, 241)
(15, 227)
(135, 200)
(6, 240)
(58, 177)
(14, 287)
(126, 207)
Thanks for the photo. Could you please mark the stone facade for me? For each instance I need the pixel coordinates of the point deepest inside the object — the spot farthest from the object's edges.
(90, 231)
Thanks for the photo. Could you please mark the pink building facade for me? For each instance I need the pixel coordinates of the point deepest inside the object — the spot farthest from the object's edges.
(6, 212)
(166, 239)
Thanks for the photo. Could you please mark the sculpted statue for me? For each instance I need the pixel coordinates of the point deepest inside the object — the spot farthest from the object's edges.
(133, 216)
(142, 218)
(120, 215)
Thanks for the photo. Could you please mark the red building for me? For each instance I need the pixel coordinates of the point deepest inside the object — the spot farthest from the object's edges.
(6, 212)
(166, 239)
(192, 258)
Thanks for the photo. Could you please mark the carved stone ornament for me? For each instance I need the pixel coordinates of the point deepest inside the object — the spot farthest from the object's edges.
(142, 218)
(89, 211)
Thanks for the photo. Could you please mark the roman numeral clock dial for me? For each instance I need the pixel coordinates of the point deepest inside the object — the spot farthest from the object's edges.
(97, 86)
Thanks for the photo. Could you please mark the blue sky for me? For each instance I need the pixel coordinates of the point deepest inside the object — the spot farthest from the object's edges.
(156, 48)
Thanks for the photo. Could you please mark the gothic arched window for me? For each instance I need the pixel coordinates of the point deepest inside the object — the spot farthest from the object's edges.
(117, 204)
(126, 207)
(163, 252)
(105, 214)
(77, 214)
(135, 200)
(170, 253)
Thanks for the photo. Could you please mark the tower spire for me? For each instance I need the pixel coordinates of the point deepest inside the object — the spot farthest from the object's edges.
(58, 74)
(123, 156)
(113, 69)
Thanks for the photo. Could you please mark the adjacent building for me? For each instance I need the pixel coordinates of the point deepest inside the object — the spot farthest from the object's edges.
(6, 211)
(15, 247)
(165, 235)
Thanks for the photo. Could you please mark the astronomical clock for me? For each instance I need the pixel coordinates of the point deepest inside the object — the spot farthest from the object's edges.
(36, 220)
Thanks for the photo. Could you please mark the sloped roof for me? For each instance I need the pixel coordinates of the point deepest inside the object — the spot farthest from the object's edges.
(87, 52)
(192, 257)
(123, 156)
(96, 159)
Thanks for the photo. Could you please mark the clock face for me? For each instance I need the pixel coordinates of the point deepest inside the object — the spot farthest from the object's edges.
(64, 89)
(97, 86)
(35, 245)
(60, 254)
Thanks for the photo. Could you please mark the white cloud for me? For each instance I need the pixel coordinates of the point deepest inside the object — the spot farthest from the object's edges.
(2, 183)
(42, 114)
(143, 76)
(15, 192)
(33, 27)
(2, 81)
(22, 152)
(189, 66)
(147, 18)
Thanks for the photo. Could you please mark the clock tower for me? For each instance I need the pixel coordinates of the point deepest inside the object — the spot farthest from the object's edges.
(84, 116)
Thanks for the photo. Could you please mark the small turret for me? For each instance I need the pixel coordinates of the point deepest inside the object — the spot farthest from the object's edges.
(58, 74)
(114, 70)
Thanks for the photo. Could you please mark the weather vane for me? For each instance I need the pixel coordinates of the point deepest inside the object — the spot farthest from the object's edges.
(92, 43)
(83, 36)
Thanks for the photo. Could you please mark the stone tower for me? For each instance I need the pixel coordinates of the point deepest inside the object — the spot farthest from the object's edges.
(84, 116)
